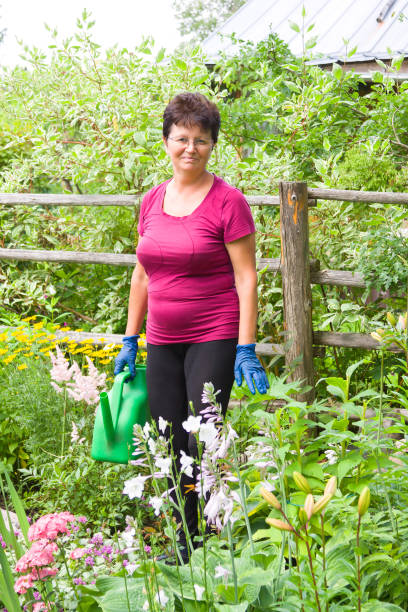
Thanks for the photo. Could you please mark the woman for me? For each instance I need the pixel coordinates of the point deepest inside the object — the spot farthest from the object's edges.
(196, 279)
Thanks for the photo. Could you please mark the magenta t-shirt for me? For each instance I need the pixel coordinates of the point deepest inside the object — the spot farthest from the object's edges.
(191, 288)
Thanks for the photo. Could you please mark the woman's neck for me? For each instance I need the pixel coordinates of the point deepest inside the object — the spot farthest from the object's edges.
(182, 181)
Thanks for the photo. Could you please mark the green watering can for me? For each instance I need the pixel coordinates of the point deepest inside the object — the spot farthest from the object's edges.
(118, 411)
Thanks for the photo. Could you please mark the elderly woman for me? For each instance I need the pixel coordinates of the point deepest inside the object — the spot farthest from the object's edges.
(196, 279)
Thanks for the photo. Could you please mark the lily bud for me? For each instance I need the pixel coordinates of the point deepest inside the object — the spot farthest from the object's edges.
(278, 524)
(331, 486)
(301, 482)
(376, 336)
(380, 331)
(363, 501)
(322, 503)
(270, 498)
(391, 319)
(309, 505)
(402, 321)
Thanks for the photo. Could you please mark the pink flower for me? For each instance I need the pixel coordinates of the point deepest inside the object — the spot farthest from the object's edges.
(40, 553)
(50, 525)
(86, 388)
(60, 371)
(40, 606)
(77, 553)
(43, 572)
(23, 583)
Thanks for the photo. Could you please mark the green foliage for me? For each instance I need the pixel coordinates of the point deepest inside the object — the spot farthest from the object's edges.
(383, 259)
(369, 170)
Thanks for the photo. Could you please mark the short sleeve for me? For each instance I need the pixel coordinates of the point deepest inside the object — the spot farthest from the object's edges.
(237, 220)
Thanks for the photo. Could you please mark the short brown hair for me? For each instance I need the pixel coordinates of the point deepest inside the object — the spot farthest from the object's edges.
(192, 109)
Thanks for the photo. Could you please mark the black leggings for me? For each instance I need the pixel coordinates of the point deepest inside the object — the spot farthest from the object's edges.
(175, 377)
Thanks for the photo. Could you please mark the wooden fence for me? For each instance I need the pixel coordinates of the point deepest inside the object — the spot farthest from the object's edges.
(298, 271)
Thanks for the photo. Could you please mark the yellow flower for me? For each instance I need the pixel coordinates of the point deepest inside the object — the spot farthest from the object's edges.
(3, 351)
(38, 325)
(29, 354)
(22, 366)
(26, 319)
(9, 359)
(105, 361)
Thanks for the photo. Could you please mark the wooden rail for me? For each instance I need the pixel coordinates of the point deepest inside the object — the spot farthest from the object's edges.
(297, 270)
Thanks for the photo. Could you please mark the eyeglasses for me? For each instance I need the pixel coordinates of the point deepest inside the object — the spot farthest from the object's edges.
(198, 143)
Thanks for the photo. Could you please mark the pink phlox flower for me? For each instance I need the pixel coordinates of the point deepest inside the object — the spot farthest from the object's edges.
(61, 371)
(40, 553)
(44, 572)
(77, 553)
(23, 583)
(50, 526)
(41, 606)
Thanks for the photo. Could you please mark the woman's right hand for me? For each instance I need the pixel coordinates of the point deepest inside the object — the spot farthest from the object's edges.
(127, 355)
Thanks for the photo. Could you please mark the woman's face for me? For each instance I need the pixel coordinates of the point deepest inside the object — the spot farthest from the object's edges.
(189, 148)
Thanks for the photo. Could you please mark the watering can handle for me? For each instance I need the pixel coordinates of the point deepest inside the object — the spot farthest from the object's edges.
(120, 380)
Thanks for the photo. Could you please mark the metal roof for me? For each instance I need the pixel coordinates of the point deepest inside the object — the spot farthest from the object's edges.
(379, 28)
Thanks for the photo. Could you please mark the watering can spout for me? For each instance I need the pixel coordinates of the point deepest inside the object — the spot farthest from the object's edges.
(107, 418)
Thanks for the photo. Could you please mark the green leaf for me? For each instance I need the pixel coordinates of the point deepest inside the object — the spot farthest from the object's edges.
(7, 594)
(345, 465)
(18, 507)
(241, 607)
(294, 26)
(337, 72)
(353, 367)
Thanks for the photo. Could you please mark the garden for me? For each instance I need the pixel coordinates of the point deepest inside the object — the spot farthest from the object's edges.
(306, 501)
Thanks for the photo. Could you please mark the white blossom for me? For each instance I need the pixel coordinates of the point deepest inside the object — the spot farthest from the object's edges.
(192, 425)
(162, 598)
(186, 464)
(199, 590)
(219, 508)
(131, 568)
(221, 572)
(331, 456)
(134, 487)
(156, 503)
(208, 434)
(128, 536)
(163, 464)
(162, 424)
(146, 429)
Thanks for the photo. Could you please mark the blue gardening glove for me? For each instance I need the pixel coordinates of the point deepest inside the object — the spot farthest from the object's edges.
(127, 355)
(247, 365)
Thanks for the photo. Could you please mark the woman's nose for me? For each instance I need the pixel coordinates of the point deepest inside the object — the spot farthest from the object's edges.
(190, 145)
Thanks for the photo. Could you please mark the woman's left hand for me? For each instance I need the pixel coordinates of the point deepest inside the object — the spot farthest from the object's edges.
(247, 365)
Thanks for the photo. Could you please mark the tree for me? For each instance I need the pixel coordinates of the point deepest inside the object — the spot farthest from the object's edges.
(200, 17)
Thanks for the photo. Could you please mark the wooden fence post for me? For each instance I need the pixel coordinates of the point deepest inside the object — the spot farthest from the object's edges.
(297, 295)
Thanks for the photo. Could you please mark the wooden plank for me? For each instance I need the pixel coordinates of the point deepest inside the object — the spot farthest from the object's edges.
(297, 298)
(349, 195)
(52, 199)
(62, 199)
(349, 340)
(337, 278)
(113, 259)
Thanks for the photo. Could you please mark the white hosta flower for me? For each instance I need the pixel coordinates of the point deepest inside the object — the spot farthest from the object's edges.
(219, 508)
(134, 487)
(163, 424)
(186, 464)
(146, 429)
(221, 572)
(146, 605)
(163, 464)
(199, 590)
(209, 394)
(208, 434)
(131, 568)
(156, 503)
(152, 446)
(192, 425)
(162, 598)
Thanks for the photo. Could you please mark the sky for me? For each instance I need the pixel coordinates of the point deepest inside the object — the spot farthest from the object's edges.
(124, 22)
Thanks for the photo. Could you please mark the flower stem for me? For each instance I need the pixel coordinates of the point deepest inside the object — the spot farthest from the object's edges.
(234, 573)
(309, 554)
(299, 574)
(358, 566)
(324, 559)
(63, 422)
